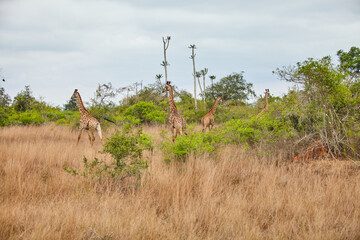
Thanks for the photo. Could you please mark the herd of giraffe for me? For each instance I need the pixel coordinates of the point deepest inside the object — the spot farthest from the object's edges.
(176, 121)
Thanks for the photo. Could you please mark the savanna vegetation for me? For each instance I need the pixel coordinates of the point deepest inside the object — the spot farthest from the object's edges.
(236, 181)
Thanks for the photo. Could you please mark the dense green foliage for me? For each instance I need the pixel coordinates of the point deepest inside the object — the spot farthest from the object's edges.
(350, 61)
(5, 99)
(145, 112)
(327, 104)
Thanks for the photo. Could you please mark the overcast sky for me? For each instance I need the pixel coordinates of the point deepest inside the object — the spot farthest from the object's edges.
(56, 46)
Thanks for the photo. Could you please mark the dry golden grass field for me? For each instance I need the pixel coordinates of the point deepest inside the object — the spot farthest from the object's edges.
(233, 196)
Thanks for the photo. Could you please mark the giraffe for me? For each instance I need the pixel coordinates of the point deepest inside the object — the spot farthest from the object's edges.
(87, 122)
(176, 120)
(208, 120)
(266, 103)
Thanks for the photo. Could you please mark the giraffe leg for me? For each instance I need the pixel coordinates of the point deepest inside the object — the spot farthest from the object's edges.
(211, 125)
(181, 131)
(81, 129)
(174, 134)
(93, 137)
(90, 138)
(184, 131)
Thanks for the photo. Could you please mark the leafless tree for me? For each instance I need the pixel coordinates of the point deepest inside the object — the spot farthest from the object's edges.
(136, 84)
(104, 93)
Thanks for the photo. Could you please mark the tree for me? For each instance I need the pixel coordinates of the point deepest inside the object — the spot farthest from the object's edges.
(350, 61)
(157, 86)
(185, 97)
(71, 105)
(193, 47)
(327, 107)
(24, 100)
(152, 92)
(166, 42)
(232, 87)
(212, 78)
(136, 84)
(5, 99)
(158, 77)
(203, 73)
(104, 93)
(198, 75)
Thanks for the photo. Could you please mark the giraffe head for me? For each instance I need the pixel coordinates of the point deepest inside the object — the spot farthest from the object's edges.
(167, 87)
(267, 92)
(75, 94)
(219, 99)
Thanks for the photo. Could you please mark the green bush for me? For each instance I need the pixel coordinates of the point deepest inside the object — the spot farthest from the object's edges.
(253, 130)
(327, 104)
(195, 143)
(144, 112)
(126, 148)
(4, 116)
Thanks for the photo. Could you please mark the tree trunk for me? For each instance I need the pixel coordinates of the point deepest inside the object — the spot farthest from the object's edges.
(166, 45)
(204, 87)
(194, 74)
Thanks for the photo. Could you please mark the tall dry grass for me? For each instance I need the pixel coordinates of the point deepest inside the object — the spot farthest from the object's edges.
(235, 196)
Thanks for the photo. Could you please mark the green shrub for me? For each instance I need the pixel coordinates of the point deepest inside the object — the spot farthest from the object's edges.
(31, 117)
(4, 116)
(144, 112)
(126, 149)
(254, 130)
(195, 143)
(61, 122)
(327, 104)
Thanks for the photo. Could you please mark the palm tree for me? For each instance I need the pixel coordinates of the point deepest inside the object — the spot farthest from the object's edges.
(198, 75)
(203, 73)
(166, 42)
(212, 78)
(158, 77)
(193, 47)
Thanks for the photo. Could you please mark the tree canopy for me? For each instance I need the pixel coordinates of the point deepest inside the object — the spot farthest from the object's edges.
(232, 87)
(5, 99)
(24, 100)
(350, 61)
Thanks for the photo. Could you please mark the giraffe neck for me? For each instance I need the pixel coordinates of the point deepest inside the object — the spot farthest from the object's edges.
(172, 105)
(266, 100)
(82, 109)
(213, 109)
